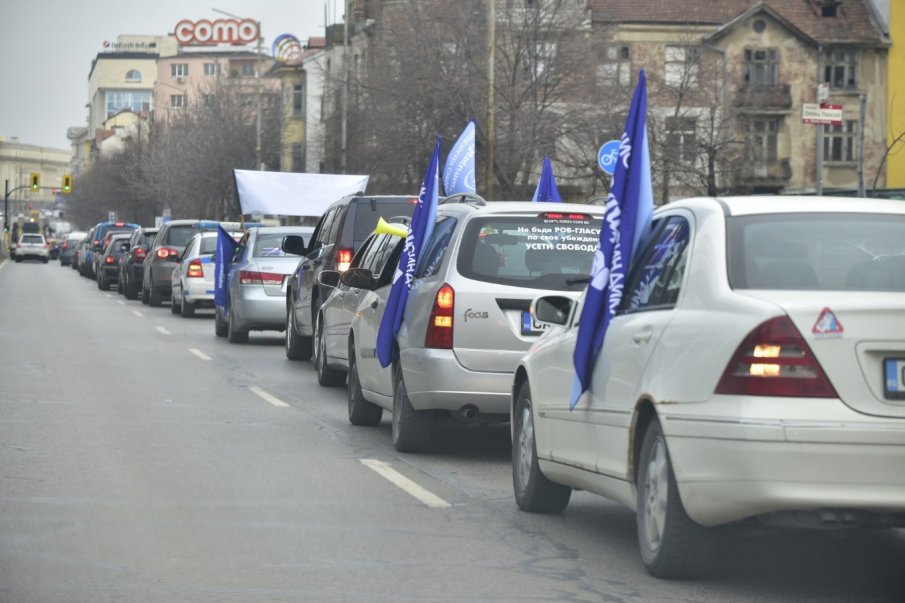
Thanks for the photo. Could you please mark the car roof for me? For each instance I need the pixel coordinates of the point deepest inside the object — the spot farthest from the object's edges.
(777, 204)
(283, 229)
(519, 207)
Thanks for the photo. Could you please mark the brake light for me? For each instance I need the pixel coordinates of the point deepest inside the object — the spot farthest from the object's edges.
(195, 270)
(109, 260)
(775, 360)
(343, 259)
(251, 277)
(553, 215)
(165, 252)
(139, 254)
(440, 325)
(65, 244)
(96, 242)
(119, 223)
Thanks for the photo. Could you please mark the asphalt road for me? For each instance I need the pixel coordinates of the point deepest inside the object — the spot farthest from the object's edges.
(144, 459)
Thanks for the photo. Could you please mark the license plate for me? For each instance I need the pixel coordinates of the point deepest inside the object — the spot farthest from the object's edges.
(531, 326)
(894, 378)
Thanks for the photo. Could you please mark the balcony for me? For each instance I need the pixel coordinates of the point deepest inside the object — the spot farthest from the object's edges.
(764, 98)
(765, 174)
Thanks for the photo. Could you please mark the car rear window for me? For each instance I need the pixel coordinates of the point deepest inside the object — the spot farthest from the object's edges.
(208, 245)
(546, 251)
(179, 236)
(268, 245)
(367, 214)
(33, 239)
(817, 252)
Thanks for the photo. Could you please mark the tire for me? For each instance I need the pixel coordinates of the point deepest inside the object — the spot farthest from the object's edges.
(129, 288)
(411, 428)
(233, 333)
(145, 296)
(119, 285)
(671, 544)
(45, 260)
(174, 308)
(220, 326)
(155, 297)
(361, 412)
(298, 347)
(187, 309)
(533, 491)
(18, 260)
(101, 282)
(326, 376)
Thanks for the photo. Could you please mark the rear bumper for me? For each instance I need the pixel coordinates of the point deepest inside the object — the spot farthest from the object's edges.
(199, 293)
(805, 472)
(257, 311)
(434, 379)
(161, 274)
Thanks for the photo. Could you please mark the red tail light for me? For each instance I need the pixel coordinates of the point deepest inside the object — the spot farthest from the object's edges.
(109, 260)
(251, 277)
(139, 254)
(440, 326)
(96, 242)
(65, 244)
(195, 270)
(775, 360)
(165, 252)
(343, 259)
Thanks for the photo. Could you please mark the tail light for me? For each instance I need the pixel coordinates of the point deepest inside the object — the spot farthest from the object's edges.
(195, 270)
(343, 259)
(165, 252)
(252, 277)
(440, 326)
(775, 360)
(139, 254)
(109, 260)
(96, 242)
(65, 244)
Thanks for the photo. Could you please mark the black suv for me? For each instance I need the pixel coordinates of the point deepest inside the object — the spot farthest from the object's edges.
(131, 264)
(339, 234)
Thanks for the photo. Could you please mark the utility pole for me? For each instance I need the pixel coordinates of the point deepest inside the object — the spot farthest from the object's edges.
(862, 191)
(347, 69)
(491, 55)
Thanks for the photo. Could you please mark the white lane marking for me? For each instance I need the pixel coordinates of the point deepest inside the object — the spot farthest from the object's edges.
(138, 314)
(162, 331)
(121, 302)
(2, 264)
(199, 354)
(408, 486)
(268, 397)
(107, 295)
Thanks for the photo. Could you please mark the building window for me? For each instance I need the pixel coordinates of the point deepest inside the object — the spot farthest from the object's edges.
(615, 66)
(761, 67)
(177, 101)
(212, 69)
(298, 100)
(762, 139)
(682, 66)
(248, 69)
(839, 68)
(681, 138)
(179, 69)
(133, 76)
(127, 100)
(839, 142)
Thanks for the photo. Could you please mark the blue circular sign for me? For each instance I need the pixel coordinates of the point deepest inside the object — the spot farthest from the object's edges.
(607, 156)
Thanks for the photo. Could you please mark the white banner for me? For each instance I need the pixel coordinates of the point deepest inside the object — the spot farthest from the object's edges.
(293, 194)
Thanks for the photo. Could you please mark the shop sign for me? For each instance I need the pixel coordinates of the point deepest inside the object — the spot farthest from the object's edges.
(220, 31)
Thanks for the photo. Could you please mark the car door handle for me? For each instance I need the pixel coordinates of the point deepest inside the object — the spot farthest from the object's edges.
(643, 336)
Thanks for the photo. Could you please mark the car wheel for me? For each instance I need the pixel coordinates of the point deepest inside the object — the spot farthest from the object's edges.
(326, 376)
(298, 347)
(45, 260)
(220, 326)
(411, 428)
(145, 296)
(361, 412)
(233, 333)
(533, 491)
(101, 282)
(155, 297)
(129, 288)
(119, 285)
(672, 545)
(18, 260)
(187, 308)
(174, 307)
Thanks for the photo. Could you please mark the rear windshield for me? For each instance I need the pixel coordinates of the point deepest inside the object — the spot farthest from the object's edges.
(817, 252)
(548, 251)
(268, 245)
(208, 245)
(32, 239)
(179, 236)
(367, 214)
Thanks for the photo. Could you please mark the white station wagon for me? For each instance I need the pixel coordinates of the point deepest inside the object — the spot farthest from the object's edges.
(755, 371)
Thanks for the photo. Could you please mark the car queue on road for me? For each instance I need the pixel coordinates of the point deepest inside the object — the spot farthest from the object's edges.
(753, 373)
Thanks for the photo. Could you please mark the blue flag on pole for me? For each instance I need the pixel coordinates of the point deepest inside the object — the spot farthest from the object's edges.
(546, 187)
(628, 215)
(226, 249)
(423, 219)
(458, 173)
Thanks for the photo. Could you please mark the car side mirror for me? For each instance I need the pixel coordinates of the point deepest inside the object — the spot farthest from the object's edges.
(328, 278)
(294, 244)
(552, 309)
(358, 278)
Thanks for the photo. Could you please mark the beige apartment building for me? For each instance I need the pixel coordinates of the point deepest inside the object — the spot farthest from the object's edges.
(18, 162)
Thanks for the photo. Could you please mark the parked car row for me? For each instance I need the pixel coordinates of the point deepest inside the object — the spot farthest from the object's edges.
(754, 371)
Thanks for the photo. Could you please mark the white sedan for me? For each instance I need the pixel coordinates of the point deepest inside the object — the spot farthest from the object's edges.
(755, 371)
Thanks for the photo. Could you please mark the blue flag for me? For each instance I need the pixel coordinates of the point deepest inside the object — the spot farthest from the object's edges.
(628, 215)
(546, 187)
(458, 173)
(423, 219)
(223, 256)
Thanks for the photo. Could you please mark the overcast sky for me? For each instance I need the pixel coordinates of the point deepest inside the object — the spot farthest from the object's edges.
(47, 46)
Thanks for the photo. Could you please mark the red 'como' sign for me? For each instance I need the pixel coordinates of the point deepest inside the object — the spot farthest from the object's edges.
(221, 31)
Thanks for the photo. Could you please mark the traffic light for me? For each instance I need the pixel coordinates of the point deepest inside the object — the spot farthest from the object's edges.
(35, 182)
(67, 184)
